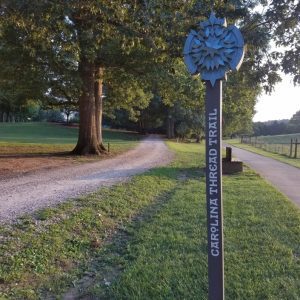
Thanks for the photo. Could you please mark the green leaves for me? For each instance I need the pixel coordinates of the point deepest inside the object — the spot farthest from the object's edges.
(139, 44)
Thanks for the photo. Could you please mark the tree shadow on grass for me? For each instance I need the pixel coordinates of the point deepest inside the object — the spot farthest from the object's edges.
(37, 155)
(104, 261)
(108, 265)
(109, 262)
(162, 173)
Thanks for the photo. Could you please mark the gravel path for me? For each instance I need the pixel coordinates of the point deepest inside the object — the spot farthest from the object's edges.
(284, 177)
(27, 193)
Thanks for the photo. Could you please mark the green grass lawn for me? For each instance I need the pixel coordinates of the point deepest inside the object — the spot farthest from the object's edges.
(18, 138)
(281, 157)
(146, 239)
(276, 139)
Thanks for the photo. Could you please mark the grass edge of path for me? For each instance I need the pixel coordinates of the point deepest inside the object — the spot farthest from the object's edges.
(154, 243)
(279, 157)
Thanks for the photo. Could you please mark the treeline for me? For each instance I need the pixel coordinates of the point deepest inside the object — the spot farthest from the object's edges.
(122, 61)
(278, 126)
(33, 112)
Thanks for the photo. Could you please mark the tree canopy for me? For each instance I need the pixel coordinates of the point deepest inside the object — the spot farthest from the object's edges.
(66, 53)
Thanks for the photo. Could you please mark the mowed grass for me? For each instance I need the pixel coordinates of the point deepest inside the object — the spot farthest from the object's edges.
(146, 239)
(37, 133)
(281, 157)
(43, 138)
(277, 139)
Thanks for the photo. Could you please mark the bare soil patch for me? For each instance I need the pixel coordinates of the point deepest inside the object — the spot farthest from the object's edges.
(24, 164)
(11, 167)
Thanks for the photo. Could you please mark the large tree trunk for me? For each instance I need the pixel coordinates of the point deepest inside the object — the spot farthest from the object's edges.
(99, 104)
(142, 128)
(87, 140)
(170, 128)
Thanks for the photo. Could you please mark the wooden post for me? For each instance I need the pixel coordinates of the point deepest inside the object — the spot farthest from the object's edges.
(296, 148)
(291, 148)
(108, 147)
(228, 154)
(213, 107)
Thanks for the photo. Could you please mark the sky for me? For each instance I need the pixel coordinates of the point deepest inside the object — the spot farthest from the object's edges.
(283, 103)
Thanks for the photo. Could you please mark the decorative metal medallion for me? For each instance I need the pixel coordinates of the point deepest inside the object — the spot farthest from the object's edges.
(214, 49)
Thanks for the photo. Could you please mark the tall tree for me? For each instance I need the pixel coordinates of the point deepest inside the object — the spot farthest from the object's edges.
(61, 35)
(21, 80)
(95, 37)
(294, 123)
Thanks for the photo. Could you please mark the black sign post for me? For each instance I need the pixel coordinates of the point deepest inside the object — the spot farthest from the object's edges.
(211, 51)
(213, 117)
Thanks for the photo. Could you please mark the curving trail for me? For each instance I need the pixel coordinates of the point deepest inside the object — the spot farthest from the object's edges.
(27, 193)
(284, 177)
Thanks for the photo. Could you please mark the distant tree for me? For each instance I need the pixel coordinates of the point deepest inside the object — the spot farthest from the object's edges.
(183, 130)
(152, 119)
(240, 94)
(294, 123)
(180, 93)
(21, 80)
(259, 128)
(28, 111)
(197, 125)
(271, 127)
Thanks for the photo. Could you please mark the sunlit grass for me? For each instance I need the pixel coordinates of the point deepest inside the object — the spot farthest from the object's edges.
(146, 239)
(282, 138)
(45, 138)
(280, 157)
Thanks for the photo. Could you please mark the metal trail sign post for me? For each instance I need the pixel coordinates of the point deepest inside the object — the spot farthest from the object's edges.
(211, 51)
(213, 113)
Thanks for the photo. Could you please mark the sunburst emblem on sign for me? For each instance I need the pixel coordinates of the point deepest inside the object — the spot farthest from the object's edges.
(214, 49)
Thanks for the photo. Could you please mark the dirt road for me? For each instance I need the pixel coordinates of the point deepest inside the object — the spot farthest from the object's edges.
(284, 177)
(27, 193)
